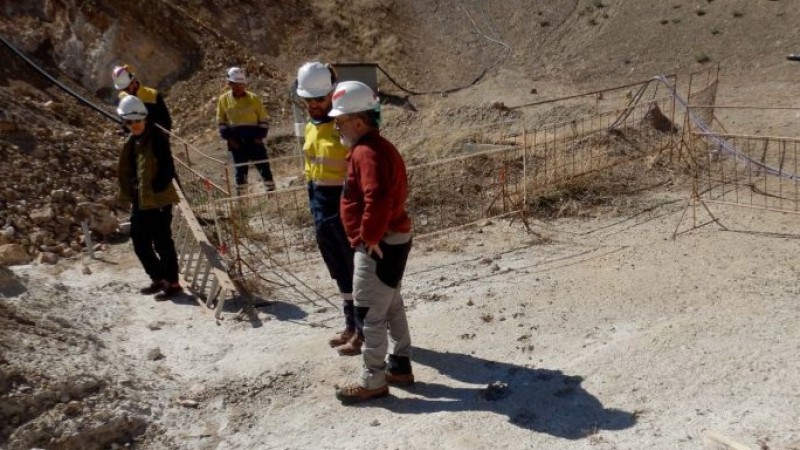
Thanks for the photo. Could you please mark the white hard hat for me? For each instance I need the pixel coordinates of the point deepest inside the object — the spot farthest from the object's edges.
(131, 108)
(352, 97)
(236, 75)
(122, 77)
(314, 80)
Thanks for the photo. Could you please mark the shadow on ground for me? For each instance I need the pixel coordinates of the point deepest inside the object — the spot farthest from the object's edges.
(285, 311)
(10, 285)
(542, 400)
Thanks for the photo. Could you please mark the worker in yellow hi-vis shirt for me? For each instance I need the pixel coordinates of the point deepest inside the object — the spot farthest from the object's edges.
(244, 123)
(325, 169)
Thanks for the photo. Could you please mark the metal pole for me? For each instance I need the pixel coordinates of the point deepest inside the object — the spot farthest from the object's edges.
(87, 238)
(299, 122)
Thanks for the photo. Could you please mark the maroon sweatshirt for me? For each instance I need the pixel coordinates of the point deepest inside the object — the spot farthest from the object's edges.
(375, 191)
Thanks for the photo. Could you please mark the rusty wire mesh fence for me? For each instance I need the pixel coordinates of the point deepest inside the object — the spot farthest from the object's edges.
(483, 182)
(758, 172)
(506, 168)
(754, 171)
(702, 96)
(490, 171)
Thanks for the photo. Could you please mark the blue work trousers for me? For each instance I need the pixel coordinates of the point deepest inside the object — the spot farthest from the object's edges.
(333, 243)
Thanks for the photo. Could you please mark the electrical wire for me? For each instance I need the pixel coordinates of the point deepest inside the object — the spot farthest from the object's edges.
(505, 53)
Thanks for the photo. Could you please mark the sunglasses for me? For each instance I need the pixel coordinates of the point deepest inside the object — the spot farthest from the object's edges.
(339, 121)
(315, 99)
(131, 122)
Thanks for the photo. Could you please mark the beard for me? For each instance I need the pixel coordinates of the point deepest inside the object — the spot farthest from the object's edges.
(347, 141)
(318, 113)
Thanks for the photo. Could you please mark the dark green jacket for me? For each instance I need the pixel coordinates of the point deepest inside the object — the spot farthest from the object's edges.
(146, 161)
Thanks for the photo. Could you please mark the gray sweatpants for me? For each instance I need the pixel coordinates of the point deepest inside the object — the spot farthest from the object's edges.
(376, 292)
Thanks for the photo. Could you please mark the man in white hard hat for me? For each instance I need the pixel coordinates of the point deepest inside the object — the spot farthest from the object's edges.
(145, 173)
(244, 124)
(127, 83)
(378, 227)
(325, 167)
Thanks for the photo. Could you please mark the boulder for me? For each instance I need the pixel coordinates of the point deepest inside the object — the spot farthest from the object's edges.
(43, 215)
(125, 228)
(55, 248)
(62, 196)
(7, 235)
(38, 237)
(13, 254)
(101, 219)
(46, 258)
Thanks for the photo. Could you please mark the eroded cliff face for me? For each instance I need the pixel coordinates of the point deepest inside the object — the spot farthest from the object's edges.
(84, 39)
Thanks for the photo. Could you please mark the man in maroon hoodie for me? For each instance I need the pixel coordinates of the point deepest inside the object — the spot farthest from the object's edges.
(375, 221)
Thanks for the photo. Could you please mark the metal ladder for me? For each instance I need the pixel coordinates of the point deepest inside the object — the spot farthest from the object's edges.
(199, 261)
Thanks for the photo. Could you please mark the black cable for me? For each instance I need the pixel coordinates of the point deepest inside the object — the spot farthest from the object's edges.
(117, 120)
(58, 83)
(443, 91)
(483, 73)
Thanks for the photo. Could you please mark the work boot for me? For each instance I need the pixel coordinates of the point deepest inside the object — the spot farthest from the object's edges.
(154, 288)
(341, 338)
(269, 186)
(351, 394)
(169, 291)
(352, 347)
(399, 379)
(398, 371)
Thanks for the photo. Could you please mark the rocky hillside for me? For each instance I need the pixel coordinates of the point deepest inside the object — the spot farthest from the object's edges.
(57, 154)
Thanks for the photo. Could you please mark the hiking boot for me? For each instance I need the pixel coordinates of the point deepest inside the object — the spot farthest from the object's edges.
(352, 347)
(398, 370)
(154, 288)
(400, 379)
(170, 291)
(341, 338)
(351, 394)
(269, 186)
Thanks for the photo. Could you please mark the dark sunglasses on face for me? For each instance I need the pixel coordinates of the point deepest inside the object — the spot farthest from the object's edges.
(342, 120)
(315, 99)
(131, 122)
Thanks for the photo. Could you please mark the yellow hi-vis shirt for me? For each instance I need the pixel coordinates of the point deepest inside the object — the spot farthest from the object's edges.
(325, 156)
(247, 110)
(145, 94)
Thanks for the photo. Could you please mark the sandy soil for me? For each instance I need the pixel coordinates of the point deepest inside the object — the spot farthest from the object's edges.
(607, 334)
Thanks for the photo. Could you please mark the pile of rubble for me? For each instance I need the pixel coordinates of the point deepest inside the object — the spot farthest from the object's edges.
(58, 170)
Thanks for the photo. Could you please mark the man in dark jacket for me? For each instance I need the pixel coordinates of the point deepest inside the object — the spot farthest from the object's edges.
(145, 175)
